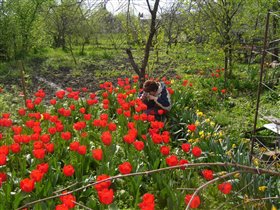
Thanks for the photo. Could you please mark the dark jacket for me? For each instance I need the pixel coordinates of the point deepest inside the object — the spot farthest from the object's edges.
(163, 98)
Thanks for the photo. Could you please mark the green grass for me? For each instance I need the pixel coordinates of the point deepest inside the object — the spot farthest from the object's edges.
(234, 112)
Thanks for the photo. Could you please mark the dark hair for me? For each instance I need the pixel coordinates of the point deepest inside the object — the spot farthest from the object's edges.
(150, 86)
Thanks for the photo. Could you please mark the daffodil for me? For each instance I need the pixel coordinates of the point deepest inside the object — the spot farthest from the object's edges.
(256, 162)
(199, 114)
(237, 175)
(190, 140)
(273, 207)
(246, 198)
(262, 188)
(229, 153)
(222, 173)
(263, 149)
(244, 141)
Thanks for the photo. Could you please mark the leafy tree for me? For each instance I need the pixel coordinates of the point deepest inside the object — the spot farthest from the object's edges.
(61, 20)
(17, 20)
(222, 16)
(108, 26)
(172, 23)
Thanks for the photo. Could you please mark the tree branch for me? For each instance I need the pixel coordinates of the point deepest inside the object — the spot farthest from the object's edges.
(210, 182)
(257, 199)
(149, 6)
(235, 11)
(189, 165)
(132, 61)
(84, 207)
(151, 35)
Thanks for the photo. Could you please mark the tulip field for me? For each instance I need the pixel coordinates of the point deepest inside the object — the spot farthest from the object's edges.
(84, 149)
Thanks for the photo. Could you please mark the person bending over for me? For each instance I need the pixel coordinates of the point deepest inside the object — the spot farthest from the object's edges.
(156, 97)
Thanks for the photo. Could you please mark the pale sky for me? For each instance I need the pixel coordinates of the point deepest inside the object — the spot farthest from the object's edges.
(116, 6)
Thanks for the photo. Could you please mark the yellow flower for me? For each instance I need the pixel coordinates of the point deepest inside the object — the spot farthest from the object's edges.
(211, 153)
(197, 123)
(262, 188)
(256, 162)
(221, 133)
(246, 198)
(245, 141)
(229, 153)
(237, 175)
(262, 149)
(233, 146)
(273, 207)
(190, 140)
(42, 117)
(172, 81)
(196, 140)
(201, 133)
(207, 120)
(199, 114)
(212, 123)
(222, 173)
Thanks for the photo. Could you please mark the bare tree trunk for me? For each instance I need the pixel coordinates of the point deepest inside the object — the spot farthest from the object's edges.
(71, 50)
(226, 65)
(22, 70)
(275, 24)
(153, 28)
(230, 60)
(83, 48)
(253, 43)
(127, 23)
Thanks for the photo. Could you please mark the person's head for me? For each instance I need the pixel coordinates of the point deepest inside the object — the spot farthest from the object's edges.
(150, 87)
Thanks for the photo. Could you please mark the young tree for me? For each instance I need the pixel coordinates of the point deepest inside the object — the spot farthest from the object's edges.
(141, 71)
(172, 24)
(221, 14)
